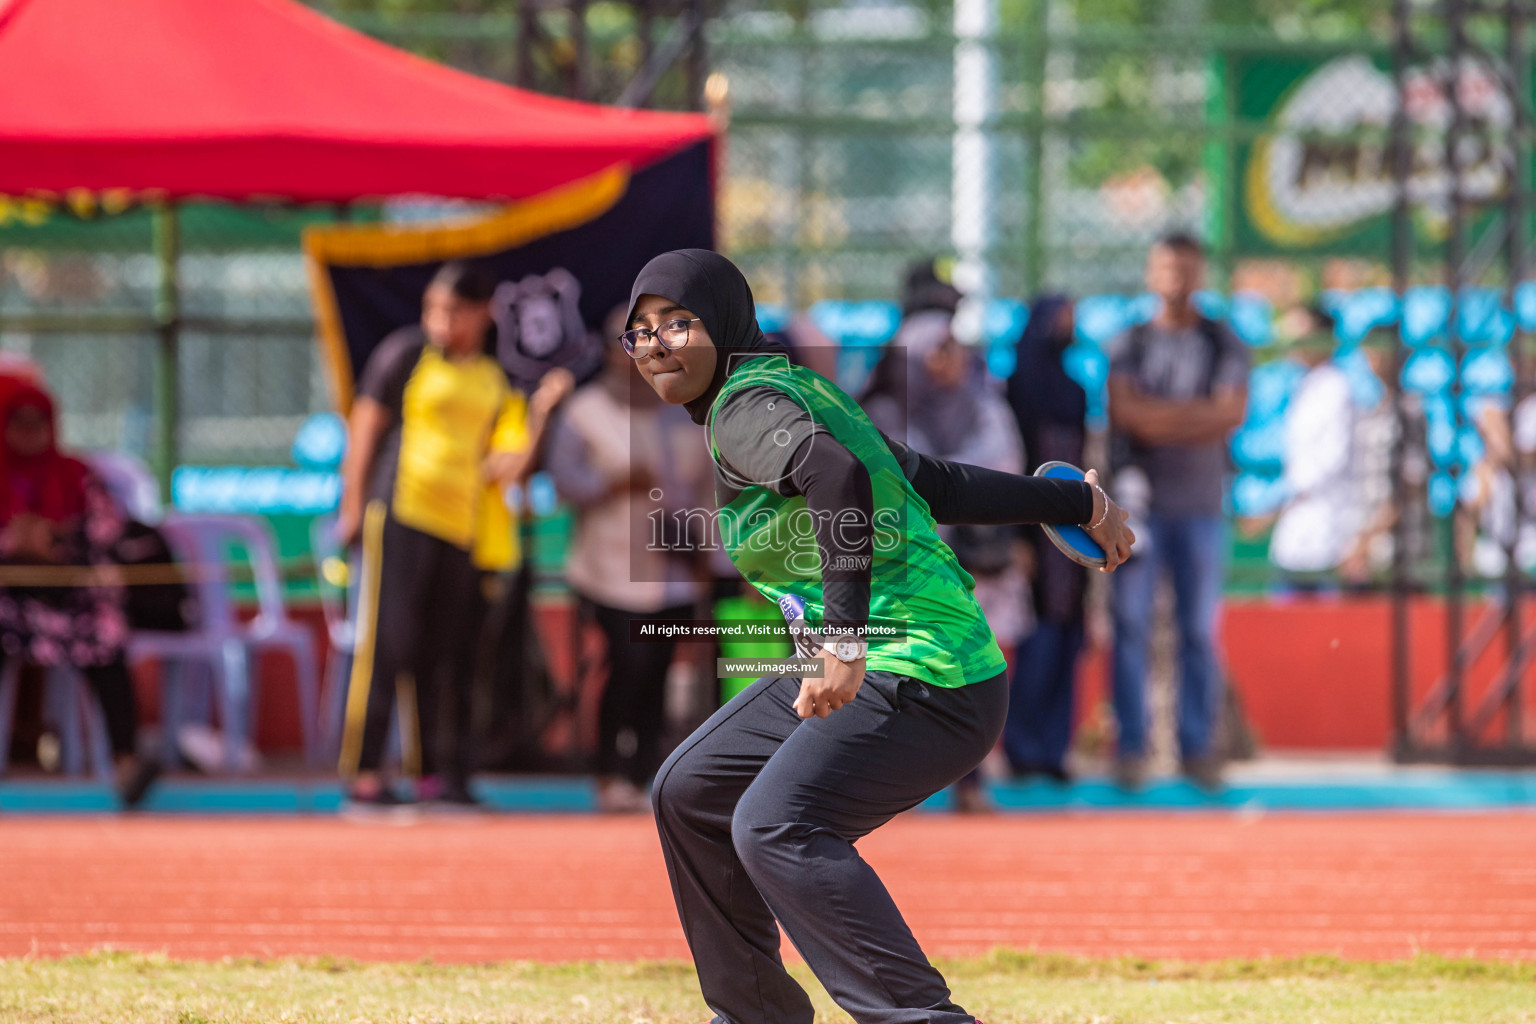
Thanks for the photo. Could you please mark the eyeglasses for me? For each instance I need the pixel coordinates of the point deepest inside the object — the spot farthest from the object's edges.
(672, 335)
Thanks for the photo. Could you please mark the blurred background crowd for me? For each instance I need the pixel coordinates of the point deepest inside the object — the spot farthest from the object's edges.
(1148, 238)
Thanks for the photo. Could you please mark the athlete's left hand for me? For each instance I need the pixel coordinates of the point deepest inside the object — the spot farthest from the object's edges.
(1112, 533)
(839, 684)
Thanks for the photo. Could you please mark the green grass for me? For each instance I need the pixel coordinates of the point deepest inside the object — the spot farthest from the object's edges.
(1004, 988)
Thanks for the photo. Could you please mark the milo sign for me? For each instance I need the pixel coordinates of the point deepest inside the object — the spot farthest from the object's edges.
(1320, 178)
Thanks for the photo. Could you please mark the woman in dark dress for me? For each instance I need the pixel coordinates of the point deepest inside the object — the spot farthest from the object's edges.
(1050, 408)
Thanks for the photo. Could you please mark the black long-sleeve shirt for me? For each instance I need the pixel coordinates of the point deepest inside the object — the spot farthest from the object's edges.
(764, 438)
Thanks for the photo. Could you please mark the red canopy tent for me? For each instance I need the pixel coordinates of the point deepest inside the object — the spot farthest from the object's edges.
(247, 99)
(266, 99)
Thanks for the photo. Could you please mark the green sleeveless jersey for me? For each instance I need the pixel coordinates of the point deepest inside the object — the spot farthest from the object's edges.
(919, 596)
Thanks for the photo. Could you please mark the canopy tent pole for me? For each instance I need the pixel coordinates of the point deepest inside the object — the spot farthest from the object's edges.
(167, 245)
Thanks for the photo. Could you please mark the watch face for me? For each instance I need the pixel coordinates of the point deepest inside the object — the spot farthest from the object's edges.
(847, 650)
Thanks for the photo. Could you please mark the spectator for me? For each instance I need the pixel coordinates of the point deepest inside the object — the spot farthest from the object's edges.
(1317, 527)
(807, 345)
(540, 336)
(1375, 433)
(1051, 408)
(1493, 518)
(1178, 386)
(615, 446)
(938, 396)
(19, 367)
(55, 512)
(927, 287)
(436, 431)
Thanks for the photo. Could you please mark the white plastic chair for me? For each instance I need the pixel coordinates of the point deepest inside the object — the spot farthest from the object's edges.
(71, 706)
(223, 642)
(338, 603)
(130, 482)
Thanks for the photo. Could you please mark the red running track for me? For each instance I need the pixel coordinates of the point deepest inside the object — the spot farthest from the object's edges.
(563, 888)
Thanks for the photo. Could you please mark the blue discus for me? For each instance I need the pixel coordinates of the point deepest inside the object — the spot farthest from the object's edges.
(1073, 541)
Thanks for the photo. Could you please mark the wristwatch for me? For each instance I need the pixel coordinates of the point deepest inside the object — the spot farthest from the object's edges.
(848, 650)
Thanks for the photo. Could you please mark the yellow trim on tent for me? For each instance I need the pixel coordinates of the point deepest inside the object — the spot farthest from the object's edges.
(386, 245)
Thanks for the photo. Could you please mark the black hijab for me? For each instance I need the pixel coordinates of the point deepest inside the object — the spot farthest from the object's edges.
(715, 290)
(1040, 389)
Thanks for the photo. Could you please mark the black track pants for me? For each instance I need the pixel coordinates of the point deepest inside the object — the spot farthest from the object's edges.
(418, 622)
(635, 694)
(759, 811)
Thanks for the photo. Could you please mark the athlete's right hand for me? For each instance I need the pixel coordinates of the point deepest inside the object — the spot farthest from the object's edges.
(837, 686)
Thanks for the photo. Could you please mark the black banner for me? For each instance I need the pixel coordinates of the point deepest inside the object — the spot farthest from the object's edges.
(563, 260)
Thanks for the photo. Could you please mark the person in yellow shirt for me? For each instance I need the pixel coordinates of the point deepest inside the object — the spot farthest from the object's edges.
(435, 436)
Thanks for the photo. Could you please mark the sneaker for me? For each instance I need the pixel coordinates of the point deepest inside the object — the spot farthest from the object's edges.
(617, 795)
(381, 804)
(135, 786)
(1131, 773)
(971, 800)
(1056, 773)
(1204, 771)
(1059, 775)
(204, 749)
(457, 800)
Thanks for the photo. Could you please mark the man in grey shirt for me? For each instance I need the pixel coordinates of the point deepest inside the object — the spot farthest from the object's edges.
(1178, 387)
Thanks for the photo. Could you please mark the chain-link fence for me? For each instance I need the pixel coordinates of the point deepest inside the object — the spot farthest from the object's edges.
(1038, 145)
(1043, 143)
(79, 298)
(1099, 130)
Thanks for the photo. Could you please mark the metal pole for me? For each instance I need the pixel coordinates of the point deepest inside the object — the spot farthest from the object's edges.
(647, 28)
(1037, 47)
(1220, 167)
(1455, 253)
(581, 58)
(167, 247)
(698, 56)
(972, 207)
(1402, 225)
(1518, 58)
(807, 55)
(527, 25)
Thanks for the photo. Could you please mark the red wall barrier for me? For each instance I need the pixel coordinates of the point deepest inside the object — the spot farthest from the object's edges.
(1314, 672)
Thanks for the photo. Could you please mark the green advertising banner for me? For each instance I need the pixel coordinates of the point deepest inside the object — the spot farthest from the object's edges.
(1317, 180)
(121, 222)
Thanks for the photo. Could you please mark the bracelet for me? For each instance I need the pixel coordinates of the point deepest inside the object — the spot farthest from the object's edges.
(1102, 515)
